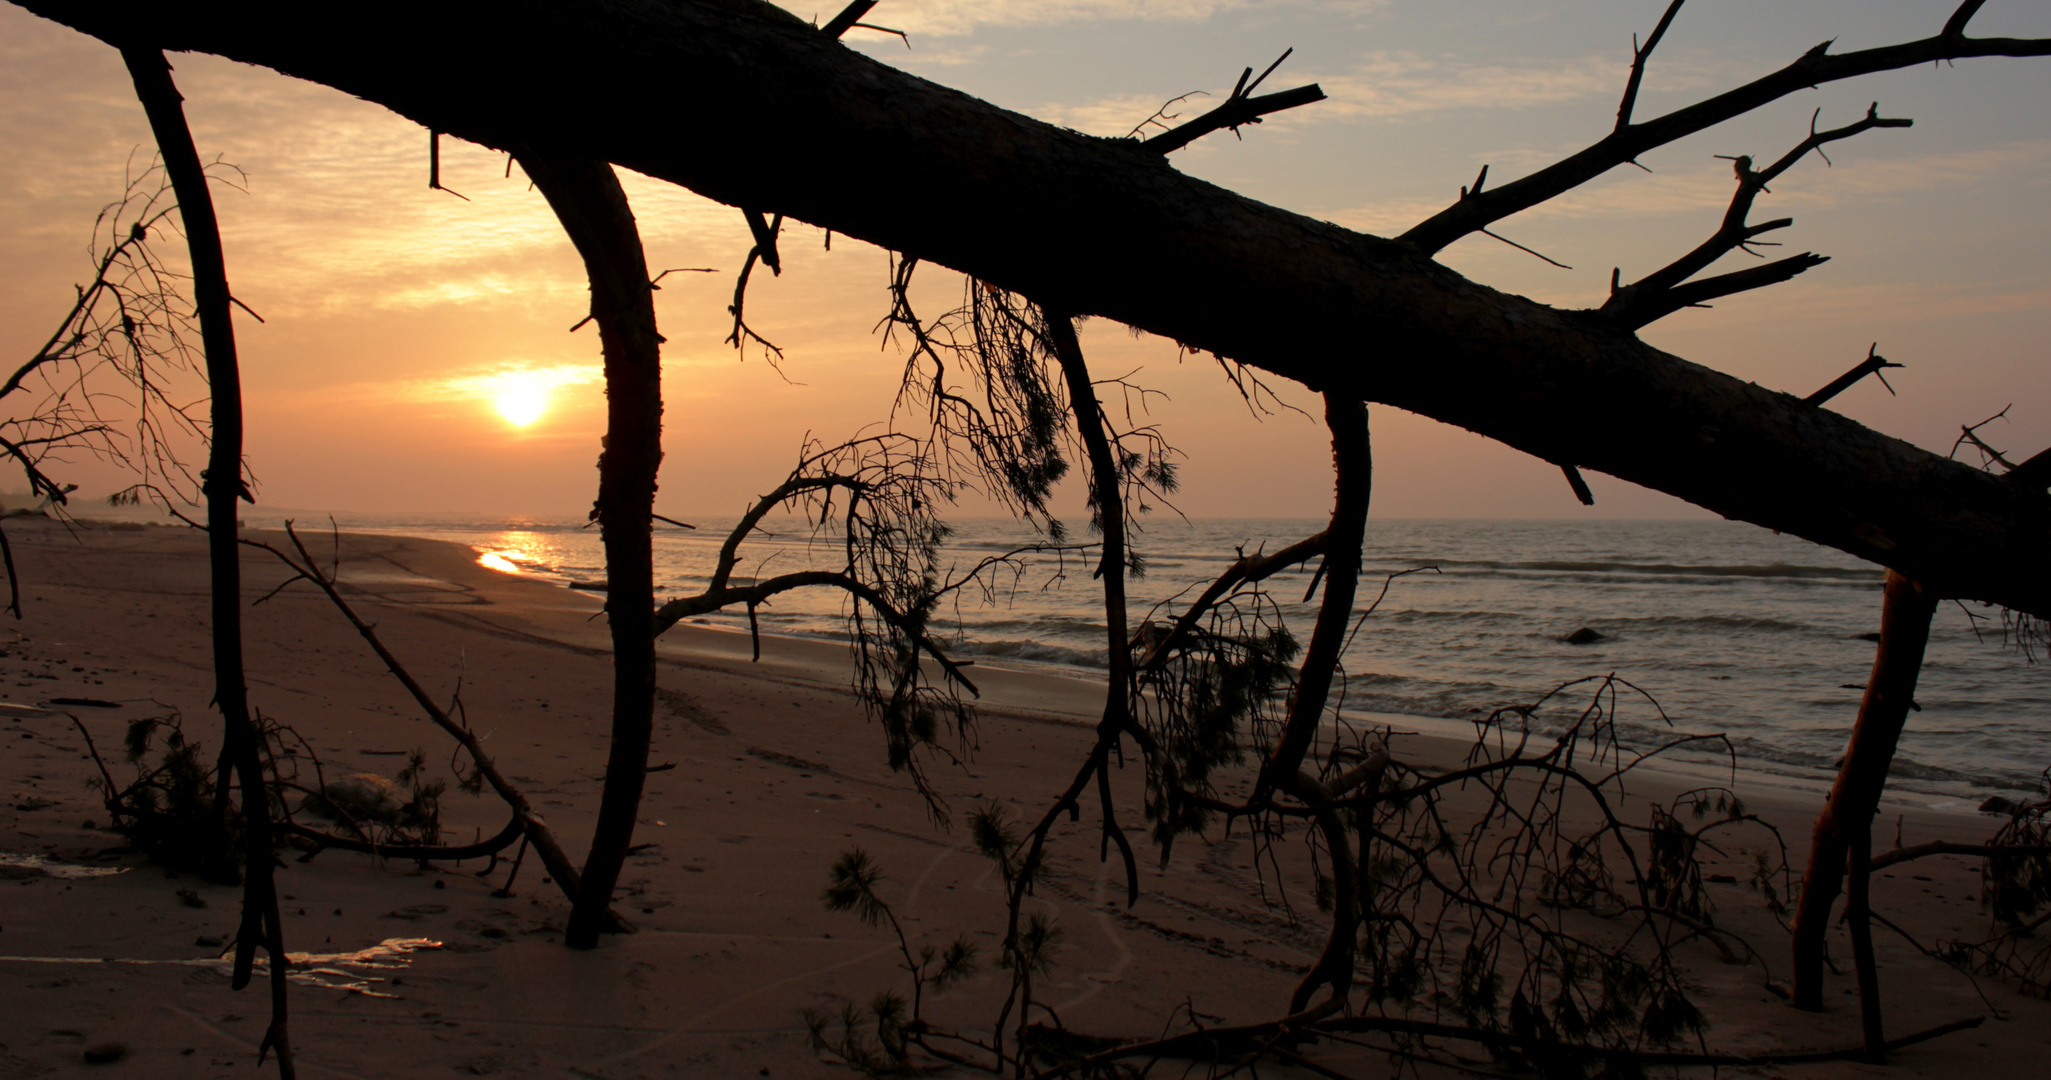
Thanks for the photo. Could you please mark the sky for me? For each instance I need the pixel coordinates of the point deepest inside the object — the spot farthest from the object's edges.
(416, 353)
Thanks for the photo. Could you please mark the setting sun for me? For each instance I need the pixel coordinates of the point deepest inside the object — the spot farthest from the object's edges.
(522, 399)
(520, 394)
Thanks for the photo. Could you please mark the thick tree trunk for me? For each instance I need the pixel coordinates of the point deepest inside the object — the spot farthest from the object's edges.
(241, 742)
(587, 198)
(807, 127)
(1847, 817)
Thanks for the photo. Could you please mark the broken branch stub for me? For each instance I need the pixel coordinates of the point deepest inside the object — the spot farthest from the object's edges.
(1240, 107)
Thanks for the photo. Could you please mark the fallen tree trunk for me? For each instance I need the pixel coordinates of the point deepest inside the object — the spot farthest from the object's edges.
(805, 127)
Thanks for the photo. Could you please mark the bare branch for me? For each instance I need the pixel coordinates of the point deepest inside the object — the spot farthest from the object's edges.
(849, 17)
(1580, 485)
(552, 855)
(1239, 107)
(1639, 54)
(742, 333)
(1645, 300)
(1873, 364)
(1624, 144)
(1698, 293)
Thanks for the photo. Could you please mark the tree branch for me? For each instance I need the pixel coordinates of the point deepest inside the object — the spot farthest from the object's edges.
(1873, 364)
(1103, 227)
(1947, 847)
(543, 838)
(1655, 306)
(1634, 305)
(720, 598)
(1239, 107)
(1625, 143)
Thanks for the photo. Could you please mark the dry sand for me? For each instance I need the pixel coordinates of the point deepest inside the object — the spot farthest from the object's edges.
(776, 773)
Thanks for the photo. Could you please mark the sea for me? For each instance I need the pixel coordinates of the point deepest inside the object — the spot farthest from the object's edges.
(1717, 628)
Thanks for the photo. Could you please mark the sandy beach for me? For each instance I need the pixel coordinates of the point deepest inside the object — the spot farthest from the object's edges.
(769, 771)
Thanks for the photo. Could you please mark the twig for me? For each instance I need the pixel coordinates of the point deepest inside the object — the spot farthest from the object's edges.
(1240, 107)
(545, 843)
(1574, 479)
(1660, 293)
(1874, 364)
(1639, 54)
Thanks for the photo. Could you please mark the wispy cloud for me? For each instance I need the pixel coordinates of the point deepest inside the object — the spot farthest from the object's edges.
(336, 216)
(1382, 86)
(1704, 189)
(476, 384)
(949, 18)
(1388, 85)
(1889, 303)
(489, 384)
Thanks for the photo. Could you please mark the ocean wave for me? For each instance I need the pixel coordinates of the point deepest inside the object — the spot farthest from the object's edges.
(1037, 651)
(1756, 623)
(1761, 570)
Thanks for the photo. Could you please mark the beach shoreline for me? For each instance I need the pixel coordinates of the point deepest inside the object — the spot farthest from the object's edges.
(770, 771)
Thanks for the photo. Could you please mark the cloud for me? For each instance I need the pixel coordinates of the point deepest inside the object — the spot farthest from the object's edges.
(1704, 189)
(951, 18)
(1389, 85)
(485, 385)
(1889, 303)
(1381, 86)
(480, 383)
(336, 216)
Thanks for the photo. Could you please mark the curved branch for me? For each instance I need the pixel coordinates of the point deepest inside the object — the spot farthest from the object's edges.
(1245, 570)
(545, 844)
(716, 599)
(1633, 305)
(1946, 847)
(515, 828)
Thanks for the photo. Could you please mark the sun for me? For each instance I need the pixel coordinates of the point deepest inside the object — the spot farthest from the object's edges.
(522, 398)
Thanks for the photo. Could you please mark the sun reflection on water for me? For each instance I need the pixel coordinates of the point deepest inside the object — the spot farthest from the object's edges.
(520, 551)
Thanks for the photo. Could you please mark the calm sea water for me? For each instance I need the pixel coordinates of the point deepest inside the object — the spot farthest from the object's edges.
(1729, 627)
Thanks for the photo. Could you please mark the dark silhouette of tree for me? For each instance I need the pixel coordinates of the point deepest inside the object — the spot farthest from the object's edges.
(1080, 226)
(1106, 227)
(225, 486)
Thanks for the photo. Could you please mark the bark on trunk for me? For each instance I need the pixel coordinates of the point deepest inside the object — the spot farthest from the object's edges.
(1105, 227)
(1904, 631)
(241, 744)
(587, 198)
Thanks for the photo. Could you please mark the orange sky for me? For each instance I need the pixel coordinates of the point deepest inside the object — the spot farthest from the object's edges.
(398, 316)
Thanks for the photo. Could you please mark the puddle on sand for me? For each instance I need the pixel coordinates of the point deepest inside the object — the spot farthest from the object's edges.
(327, 970)
(57, 868)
